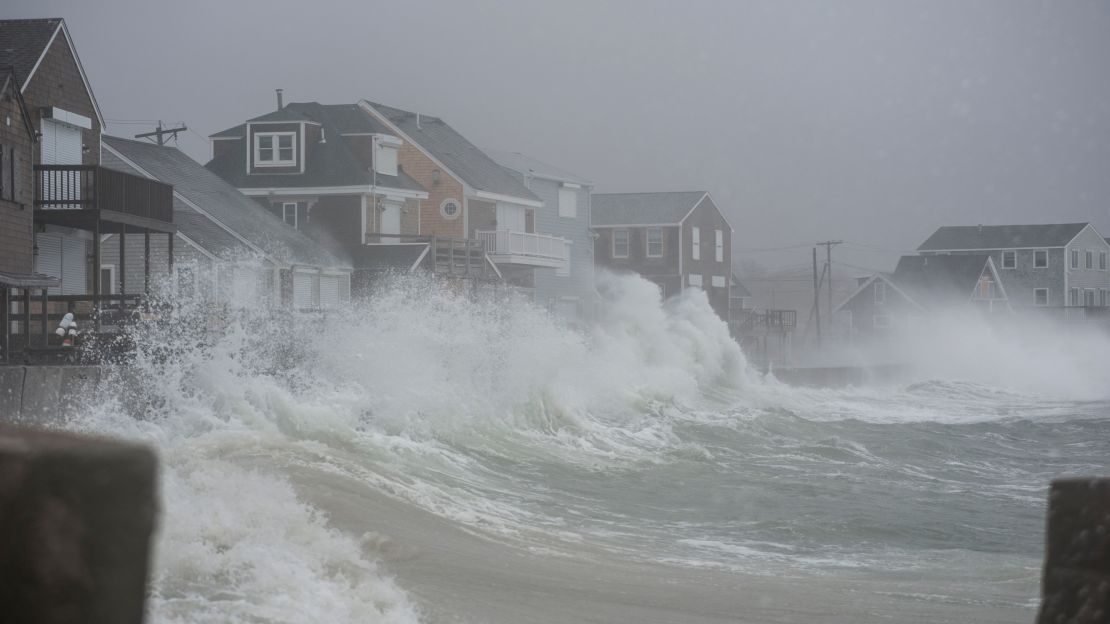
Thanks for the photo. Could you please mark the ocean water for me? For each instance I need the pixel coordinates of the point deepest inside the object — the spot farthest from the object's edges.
(429, 458)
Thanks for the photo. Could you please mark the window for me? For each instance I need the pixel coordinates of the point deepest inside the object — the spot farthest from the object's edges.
(695, 243)
(273, 149)
(1089, 259)
(1073, 296)
(1040, 259)
(718, 281)
(1102, 292)
(1102, 260)
(880, 291)
(882, 321)
(289, 213)
(654, 242)
(1075, 258)
(449, 208)
(108, 279)
(1040, 296)
(695, 280)
(568, 202)
(720, 242)
(620, 243)
(1009, 259)
(1089, 297)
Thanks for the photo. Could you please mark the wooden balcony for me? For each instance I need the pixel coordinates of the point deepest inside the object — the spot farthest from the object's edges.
(526, 248)
(95, 198)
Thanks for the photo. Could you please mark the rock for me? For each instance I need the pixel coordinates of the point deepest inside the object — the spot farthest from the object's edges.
(76, 517)
(1076, 584)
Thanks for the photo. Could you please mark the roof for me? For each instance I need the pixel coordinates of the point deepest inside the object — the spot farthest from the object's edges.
(327, 164)
(391, 257)
(963, 237)
(28, 280)
(643, 208)
(738, 288)
(287, 114)
(515, 161)
(932, 280)
(459, 155)
(227, 207)
(9, 81)
(23, 42)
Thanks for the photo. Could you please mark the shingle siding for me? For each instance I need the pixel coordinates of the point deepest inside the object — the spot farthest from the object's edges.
(57, 82)
(16, 238)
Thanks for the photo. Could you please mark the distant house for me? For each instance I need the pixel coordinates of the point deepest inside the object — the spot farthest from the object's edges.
(569, 288)
(921, 287)
(1051, 265)
(229, 248)
(677, 240)
(740, 298)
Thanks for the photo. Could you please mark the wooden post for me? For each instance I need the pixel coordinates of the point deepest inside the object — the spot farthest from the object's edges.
(6, 334)
(122, 259)
(97, 286)
(45, 319)
(169, 245)
(27, 317)
(146, 261)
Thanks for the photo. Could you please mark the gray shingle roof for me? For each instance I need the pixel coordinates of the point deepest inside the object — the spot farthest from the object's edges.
(287, 114)
(331, 163)
(22, 42)
(961, 237)
(738, 288)
(520, 163)
(231, 208)
(456, 153)
(939, 280)
(642, 208)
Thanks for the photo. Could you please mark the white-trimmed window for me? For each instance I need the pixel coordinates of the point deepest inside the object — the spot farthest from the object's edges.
(1102, 260)
(718, 281)
(620, 243)
(1040, 296)
(695, 243)
(568, 202)
(882, 321)
(1102, 297)
(1009, 259)
(1089, 259)
(880, 291)
(695, 280)
(274, 149)
(654, 240)
(1073, 296)
(289, 213)
(108, 284)
(1089, 297)
(1040, 259)
(1075, 258)
(719, 241)
(450, 208)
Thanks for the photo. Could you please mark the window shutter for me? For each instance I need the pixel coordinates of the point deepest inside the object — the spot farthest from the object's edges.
(49, 258)
(75, 266)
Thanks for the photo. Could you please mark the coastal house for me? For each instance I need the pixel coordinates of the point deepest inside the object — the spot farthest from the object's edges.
(677, 240)
(58, 185)
(229, 249)
(568, 289)
(1050, 266)
(922, 287)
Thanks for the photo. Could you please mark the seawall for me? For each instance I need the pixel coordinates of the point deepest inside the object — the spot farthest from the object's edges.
(40, 395)
(840, 376)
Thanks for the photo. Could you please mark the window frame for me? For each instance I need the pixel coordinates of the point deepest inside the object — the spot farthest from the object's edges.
(699, 281)
(277, 161)
(718, 281)
(613, 243)
(719, 245)
(1035, 301)
(285, 218)
(1074, 259)
(1089, 258)
(1013, 257)
(568, 202)
(648, 243)
(879, 287)
(1040, 253)
(1103, 262)
(1073, 297)
(695, 242)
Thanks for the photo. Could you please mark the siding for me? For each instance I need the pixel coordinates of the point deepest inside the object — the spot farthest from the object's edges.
(135, 273)
(708, 219)
(1083, 278)
(57, 82)
(16, 238)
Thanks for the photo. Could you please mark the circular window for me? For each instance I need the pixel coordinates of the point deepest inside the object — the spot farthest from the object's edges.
(450, 208)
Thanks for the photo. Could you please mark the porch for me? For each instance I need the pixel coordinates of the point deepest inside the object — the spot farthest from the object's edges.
(525, 248)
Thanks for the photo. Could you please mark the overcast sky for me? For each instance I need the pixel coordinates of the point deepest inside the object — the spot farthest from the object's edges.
(869, 121)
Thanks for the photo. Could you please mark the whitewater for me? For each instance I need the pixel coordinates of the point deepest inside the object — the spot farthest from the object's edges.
(428, 456)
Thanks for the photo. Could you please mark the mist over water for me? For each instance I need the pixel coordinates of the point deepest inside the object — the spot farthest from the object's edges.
(644, 437)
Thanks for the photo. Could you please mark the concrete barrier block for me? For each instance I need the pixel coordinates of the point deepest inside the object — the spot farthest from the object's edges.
(76, 517)
(78, 387)
(42, 395)
(11, 392)
(1076, 584)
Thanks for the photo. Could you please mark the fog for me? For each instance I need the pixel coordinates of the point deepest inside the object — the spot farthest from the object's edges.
(869, 121)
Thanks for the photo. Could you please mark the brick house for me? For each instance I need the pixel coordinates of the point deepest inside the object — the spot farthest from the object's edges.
(1065, 265)
(60, 189)
(921, 287)
(677, 240)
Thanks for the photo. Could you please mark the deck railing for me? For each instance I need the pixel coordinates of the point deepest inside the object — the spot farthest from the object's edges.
(505, 242)
(84, 187)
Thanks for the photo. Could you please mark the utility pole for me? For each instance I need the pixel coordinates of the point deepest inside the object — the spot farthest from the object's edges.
(817, 298)
(828, 263)
(160, 134)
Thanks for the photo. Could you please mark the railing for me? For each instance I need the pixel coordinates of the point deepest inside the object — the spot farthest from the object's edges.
(32, 321)
(84, 187)
(766, 320)
(527, 244)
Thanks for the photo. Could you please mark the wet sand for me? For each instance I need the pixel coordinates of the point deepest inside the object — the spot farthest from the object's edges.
(460, 576)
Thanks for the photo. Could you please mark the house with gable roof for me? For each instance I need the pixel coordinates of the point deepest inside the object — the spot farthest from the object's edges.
(677, 240)
(1042, 265)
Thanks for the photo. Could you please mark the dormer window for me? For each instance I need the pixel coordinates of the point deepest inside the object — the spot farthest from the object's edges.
(274, 149)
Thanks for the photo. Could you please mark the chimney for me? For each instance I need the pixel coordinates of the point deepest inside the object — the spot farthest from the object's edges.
(278, 91)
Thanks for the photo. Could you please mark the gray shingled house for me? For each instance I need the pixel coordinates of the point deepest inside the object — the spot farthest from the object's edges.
(1048, 266)
(229, 247)
(677, 240)
(919, 288)
(568, 289)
